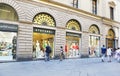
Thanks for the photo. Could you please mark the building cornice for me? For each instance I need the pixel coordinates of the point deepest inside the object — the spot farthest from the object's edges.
(71, 9)
(67, 8)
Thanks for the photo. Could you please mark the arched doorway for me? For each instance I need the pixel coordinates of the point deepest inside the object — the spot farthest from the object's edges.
(110, 39)
(8, 33)
(73, 39)
(94, 41)
(42, 36)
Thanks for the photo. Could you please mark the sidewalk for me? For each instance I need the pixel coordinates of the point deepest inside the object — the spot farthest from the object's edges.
(68, 67)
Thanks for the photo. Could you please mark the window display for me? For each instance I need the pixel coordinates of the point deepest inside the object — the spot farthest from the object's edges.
(40, 39)
(94, 46)
(72, 45)
(8, 42)
(94, 41)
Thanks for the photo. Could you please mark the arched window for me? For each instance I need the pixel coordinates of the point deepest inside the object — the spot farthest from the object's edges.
(44, 19)
(94, 29)
(94, 41)
(73, 25)
(111, 34)
(7, 12)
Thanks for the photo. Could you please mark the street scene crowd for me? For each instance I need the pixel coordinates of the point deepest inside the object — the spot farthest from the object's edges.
(108, 52)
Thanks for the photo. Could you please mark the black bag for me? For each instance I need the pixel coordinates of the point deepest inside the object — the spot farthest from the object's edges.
(48, 49)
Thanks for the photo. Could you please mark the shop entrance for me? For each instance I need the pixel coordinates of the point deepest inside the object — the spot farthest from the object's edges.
(40, 39)
(72, 45)
(110, 39)
(110, 43)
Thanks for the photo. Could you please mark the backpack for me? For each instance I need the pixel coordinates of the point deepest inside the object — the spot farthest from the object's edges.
(48, 49)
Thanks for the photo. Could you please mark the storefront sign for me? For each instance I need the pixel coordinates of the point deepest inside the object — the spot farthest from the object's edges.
(73, 34)
(41, 30)
(8, 27)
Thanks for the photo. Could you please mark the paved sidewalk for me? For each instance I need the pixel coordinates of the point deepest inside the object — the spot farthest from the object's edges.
(68, 67)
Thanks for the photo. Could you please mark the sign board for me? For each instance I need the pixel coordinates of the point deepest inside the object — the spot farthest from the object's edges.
(73, 34)
(8, 27)
(41, 30)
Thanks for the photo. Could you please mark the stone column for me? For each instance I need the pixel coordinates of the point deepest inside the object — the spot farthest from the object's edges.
(24, 42)
(84, 44)
(60, 38)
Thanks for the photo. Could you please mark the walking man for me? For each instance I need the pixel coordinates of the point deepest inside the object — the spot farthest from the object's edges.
(48, 51)
(103, 52)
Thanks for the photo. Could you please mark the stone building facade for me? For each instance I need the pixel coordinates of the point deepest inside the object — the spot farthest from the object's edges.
(47, 22)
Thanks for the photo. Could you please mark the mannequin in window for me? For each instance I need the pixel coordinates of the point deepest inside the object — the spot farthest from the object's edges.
(37, 49)
(74, 49)
(77, 49)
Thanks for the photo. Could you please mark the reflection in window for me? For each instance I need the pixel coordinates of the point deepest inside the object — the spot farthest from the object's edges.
(7, 12)
(75, 3)
(44, 19)
(94, 6)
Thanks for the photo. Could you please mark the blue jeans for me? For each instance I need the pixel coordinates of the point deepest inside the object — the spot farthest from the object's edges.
(103, 56)
(47, 58)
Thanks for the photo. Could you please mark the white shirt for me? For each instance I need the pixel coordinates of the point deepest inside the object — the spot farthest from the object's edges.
(109, 51)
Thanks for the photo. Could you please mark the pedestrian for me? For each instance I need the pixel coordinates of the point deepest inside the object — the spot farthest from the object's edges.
(103, 52)
(117, 55)
(47, 52)
(109, 52)
(61, 53)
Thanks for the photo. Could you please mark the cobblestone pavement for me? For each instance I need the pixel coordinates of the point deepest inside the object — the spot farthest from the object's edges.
(67, 67)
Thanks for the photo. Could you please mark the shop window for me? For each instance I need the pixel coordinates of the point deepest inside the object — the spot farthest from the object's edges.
(8, 41)
(7, 12)
(42, 37)
(94, 46)
(44, 19)
(94, 42)
(94, 6)
(73, 25)
(75, 3)
(72, 45)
